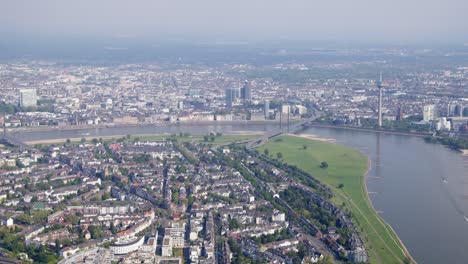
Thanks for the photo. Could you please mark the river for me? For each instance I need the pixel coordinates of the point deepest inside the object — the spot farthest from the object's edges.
(420, 189)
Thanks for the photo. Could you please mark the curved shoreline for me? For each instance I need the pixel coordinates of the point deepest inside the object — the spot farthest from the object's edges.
(364, 185)
(413, 134)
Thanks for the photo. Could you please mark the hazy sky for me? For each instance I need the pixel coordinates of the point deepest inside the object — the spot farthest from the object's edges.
(366, 20)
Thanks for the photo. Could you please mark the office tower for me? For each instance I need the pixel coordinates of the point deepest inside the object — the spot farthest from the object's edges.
(266, 109)
(246, 91)
(230, 96)
(429, 113)
(237, 92)
(458, 110)
(180, 105)
(399, 114)
(451, 109)
(28, 97)
(379, 85)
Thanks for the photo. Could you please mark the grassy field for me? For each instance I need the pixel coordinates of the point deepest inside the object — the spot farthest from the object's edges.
(346, 166)
(178, 253)
(218, 140)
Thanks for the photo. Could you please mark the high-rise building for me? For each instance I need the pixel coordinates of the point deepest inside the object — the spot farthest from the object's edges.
(399, 113)
(180, 105)
(429, 113)
(464, 112)
(451, 109)
(266, 109)
(379, 85)
(231, 95)
(458, 110)
(28, 97)
(237, 92)
(246, 91)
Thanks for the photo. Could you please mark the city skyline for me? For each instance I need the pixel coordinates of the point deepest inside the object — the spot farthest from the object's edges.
(226, 132)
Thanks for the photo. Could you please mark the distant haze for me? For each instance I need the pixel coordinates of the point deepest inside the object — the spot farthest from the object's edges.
(389, 21)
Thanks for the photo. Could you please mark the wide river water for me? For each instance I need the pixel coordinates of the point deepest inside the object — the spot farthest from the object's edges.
(420, 189)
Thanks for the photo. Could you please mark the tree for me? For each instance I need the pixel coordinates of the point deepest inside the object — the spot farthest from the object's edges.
(205, 138)
(19, 164)
(113, 229)
(105, 196)
(57, 246)
(341, 185)
(95, 231)
(180, 169)
(83, 140)
(266, 152)
(304, 147)
(326, 260)
(73, 219)
(323, 165)
(279, 155)
(42, 160)
(234, 224)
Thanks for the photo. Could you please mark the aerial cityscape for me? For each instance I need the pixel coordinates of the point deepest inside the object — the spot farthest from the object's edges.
(194, 147)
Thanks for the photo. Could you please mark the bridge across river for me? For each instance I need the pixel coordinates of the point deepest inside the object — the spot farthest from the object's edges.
(10, 140)
(291, 129)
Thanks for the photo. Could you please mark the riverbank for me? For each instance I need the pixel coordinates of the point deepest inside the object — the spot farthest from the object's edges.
(414, 134)
(160, 124)
(464, 152)
(227, 137)
(313, 137)
(366, 191)
(348, 169)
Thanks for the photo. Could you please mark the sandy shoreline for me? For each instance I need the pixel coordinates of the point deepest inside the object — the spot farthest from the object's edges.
(464, 152)
(314, 137)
